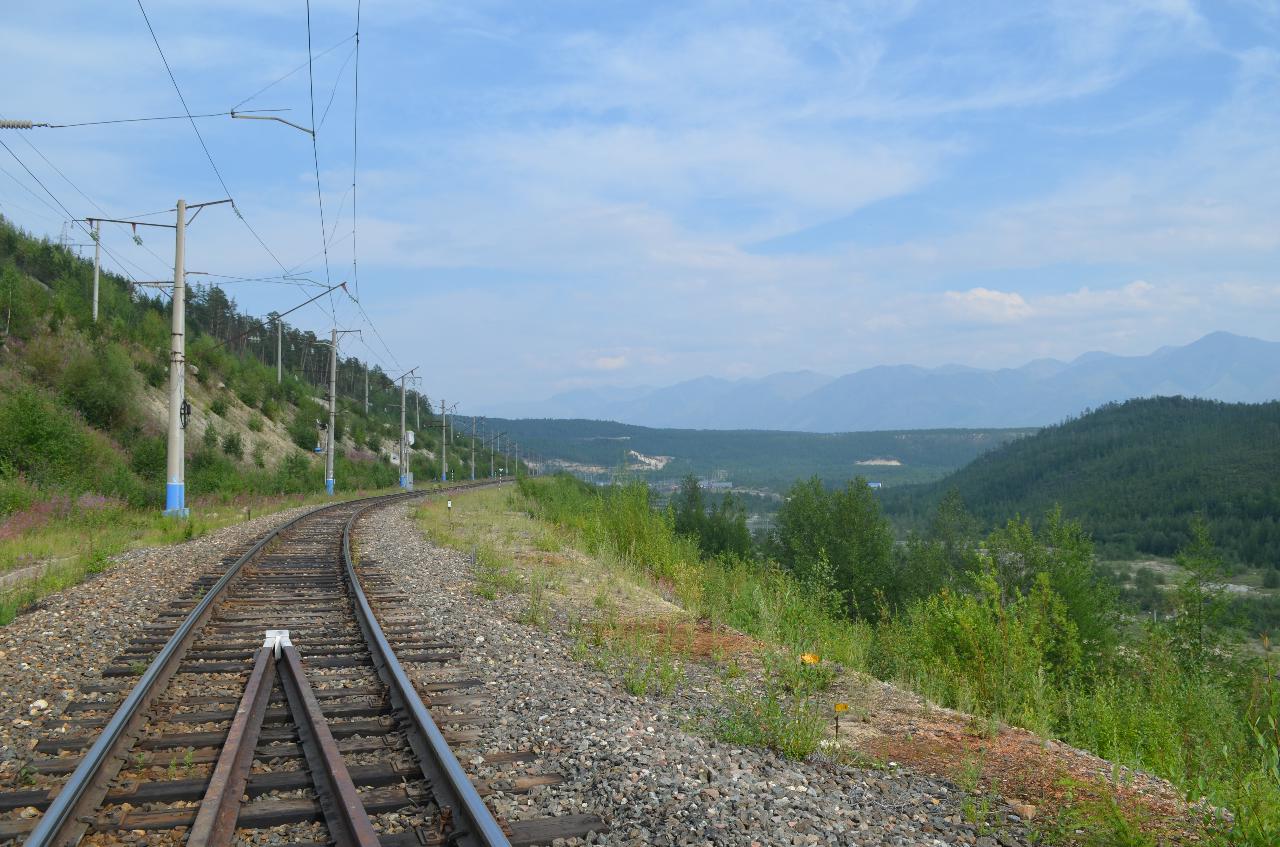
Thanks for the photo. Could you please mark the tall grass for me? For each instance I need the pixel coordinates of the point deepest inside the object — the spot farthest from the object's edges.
(764, 602)
(1214, 731)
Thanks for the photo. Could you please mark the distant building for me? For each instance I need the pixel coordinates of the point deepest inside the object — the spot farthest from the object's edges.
(875, 485)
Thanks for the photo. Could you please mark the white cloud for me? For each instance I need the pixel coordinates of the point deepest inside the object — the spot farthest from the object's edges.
(985, 304)
(609, 363)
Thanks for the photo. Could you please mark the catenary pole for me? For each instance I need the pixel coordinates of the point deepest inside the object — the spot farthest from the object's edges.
(406, 475)
(366, 389)
(97, 263)
(404, 458)
(473, 448)
(444, 444)
(279, 349)
(333, 410)
(175, 498)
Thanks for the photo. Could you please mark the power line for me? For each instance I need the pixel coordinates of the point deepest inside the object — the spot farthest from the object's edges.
(334, 93)
(144, 120)
(315, 158)
(55, 199)
(203, 146)
(163, 262)
(369, 321)
(271, 85)
(355, 151)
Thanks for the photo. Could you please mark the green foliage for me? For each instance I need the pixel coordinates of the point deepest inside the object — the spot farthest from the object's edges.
(1200, 600)
(1061, 553)
(984, 652)
(218, 406)
(209, 440)
(720, 528)
(101, 384)
(1132, 473)
(794, 729)
(838, 540)
(303, 429)
(43, 441)
(233, 445)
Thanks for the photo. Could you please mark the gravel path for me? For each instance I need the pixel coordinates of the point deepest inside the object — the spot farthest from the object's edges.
(640, 763)
(47, 653)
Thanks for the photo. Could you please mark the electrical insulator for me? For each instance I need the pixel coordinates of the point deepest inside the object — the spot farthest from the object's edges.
(15, 124)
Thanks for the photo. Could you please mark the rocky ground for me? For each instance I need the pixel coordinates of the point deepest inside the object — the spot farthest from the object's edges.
(646, 765)
(48, 652)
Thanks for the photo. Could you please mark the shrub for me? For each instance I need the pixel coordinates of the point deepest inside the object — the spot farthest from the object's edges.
(101, 384)
(232, 445)
(297, 473)
(44, 441)
(255, 423)
(303, 427)
(148, 457)
(219, 406)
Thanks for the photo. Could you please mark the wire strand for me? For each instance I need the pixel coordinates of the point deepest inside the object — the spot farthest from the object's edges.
(355, 152)
(315, 157)
(55, 199)
(334, 93)
(164, 263)
(290, 73)
(235, 207)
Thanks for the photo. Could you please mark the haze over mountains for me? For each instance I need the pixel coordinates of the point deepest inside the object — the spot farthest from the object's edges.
(1219, 366)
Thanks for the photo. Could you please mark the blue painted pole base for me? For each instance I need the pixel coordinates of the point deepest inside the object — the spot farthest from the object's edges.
(175, 500)
(328, 487)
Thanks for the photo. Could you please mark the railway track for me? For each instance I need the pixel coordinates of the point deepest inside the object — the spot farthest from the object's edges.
(275, 705)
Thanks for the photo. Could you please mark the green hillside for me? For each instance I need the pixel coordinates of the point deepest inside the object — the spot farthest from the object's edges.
(1134, 474)
(760, 458)
(83, 404)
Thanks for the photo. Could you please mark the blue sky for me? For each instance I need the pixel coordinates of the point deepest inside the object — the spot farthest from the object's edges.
(559, 195)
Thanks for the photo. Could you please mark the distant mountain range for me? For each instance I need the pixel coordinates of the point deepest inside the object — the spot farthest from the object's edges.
(1219, 366)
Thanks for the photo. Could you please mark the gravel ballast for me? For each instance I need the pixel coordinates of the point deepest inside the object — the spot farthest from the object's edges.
(47, 653)
(642, 764)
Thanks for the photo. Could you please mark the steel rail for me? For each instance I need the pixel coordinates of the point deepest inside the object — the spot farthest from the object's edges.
(68, 816)
(215, 823)
(472, 823)
(344, 813)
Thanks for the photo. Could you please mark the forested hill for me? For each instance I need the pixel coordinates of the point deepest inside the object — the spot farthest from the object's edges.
(1134, 474)
(759, 458)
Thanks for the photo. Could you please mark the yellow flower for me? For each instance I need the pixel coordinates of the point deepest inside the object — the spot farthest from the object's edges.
(810, 658)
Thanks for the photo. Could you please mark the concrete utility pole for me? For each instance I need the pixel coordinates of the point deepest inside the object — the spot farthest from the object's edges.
(444, 444)
(492, 441)
(279, 349)
(333, 406)
(97, 262)
(366, 389)
(175, 495)
(406, 475)
(473, 448)
(333, 410)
